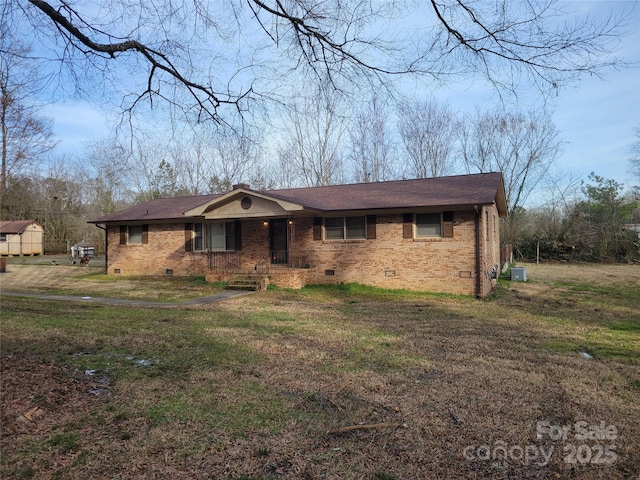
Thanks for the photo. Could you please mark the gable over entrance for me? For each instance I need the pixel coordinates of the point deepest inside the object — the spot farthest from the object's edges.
(244, 203)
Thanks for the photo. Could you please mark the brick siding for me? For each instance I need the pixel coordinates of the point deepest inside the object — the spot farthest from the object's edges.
(388, 261)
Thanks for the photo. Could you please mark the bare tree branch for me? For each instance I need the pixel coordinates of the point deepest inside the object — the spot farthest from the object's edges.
(205, 97)
(199, 61)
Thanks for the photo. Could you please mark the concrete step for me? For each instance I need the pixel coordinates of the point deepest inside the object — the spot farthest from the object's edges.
(240, 286)
(254, 283)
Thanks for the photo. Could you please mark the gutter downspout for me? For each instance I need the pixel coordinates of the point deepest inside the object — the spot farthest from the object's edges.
(477, 249)
(106, 248)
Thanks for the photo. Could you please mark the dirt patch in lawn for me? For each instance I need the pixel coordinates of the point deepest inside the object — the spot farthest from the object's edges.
(38, 398)
(37, 395)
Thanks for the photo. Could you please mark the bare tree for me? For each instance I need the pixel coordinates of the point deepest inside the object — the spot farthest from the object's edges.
(62, 204)
(521, 146)
(147, 166)
(371, 145)
(108, 162)
(26, 138)
(563, 189)
(285, 174)
(194, 163)
(20, 200)
(139, 169)
(234, 157)
(429, 132)
(200, 56)
(314, 143)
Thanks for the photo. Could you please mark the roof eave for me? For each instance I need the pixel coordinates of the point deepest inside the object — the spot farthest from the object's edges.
(501, 200)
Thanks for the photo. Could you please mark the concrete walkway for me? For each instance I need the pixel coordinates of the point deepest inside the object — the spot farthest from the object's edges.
(139, 303)
(20, 280)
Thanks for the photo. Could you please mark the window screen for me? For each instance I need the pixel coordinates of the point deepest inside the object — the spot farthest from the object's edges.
(334, 228)
(356, 227)
(135, 234)
(428, 225)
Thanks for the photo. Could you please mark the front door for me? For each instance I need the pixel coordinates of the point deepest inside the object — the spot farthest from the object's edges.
(278, 241)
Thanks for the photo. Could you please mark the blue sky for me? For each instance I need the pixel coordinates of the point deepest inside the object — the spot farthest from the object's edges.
(596, 119)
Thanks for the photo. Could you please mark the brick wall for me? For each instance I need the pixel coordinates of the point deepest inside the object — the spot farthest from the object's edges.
(165, 250)
(388, 261)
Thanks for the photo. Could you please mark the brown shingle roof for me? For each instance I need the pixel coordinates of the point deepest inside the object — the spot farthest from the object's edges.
(160, 209)
(427, 192)
(467, 190)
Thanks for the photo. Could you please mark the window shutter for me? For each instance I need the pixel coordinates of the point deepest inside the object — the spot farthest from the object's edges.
(123, 234)
(188, 237)
(145, 234)
(371, 227)
(407, 225)
(317, 228)
(237, 235)
(447, 224)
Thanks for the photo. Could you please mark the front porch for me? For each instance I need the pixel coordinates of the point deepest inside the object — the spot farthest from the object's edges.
(279, 268)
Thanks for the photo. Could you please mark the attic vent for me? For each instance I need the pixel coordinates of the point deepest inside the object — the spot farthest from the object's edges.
(245, 203)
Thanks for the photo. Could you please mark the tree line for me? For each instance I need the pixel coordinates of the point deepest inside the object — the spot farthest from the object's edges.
(209, 95)
(318, 146)
(599, 225)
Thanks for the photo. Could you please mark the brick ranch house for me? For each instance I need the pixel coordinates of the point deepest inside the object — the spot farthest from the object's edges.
(435, 234)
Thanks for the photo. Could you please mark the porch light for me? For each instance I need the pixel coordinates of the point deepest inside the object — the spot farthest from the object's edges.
(265, 223)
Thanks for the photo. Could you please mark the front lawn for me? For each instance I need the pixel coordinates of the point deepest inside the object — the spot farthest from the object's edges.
(541, 381)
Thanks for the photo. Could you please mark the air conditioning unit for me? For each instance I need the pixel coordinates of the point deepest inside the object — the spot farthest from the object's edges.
(518, 274)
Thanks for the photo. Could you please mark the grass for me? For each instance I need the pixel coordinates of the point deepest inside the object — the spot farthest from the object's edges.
(249, 388)
(91, 281)
(603, 320)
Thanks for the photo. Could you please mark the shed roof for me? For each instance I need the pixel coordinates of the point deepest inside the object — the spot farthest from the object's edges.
(445, 192)
(15, 226)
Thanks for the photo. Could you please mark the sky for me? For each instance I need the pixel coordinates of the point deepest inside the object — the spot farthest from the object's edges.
(596, 119)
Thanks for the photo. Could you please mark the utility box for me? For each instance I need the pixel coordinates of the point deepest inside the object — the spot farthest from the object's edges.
(518, 274)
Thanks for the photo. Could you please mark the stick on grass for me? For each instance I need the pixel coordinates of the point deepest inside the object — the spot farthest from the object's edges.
(369, 426)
